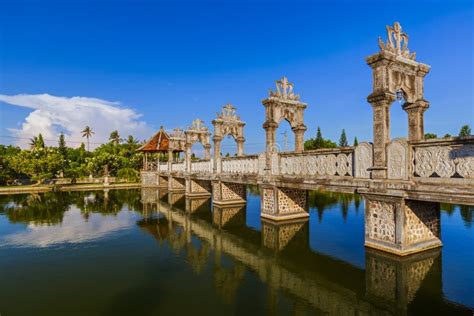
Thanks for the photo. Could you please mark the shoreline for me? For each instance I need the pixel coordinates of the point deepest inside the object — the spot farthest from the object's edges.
(66, 187)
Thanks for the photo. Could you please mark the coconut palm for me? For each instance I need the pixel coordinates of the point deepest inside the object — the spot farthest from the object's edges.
(87, 132)
(115, 137)
(37, 142)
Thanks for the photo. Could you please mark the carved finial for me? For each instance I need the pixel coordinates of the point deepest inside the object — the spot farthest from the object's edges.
(198, 125)
(284, 90)
(397, 42)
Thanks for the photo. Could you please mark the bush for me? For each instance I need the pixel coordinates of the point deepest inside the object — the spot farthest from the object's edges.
(130, 174)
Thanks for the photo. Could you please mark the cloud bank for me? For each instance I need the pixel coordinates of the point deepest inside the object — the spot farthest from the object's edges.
(52, 115)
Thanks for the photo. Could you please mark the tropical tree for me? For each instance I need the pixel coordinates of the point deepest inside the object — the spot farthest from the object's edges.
(343, 139)
(37, 142)
(430, 136)
(87, 132)
(115, 137)
(465, 131)
(356, 142)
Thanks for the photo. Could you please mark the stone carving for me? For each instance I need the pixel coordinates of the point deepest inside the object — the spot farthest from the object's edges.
(316, 164)
(148, 178)
(380, 220)
(444, 161)
(228, 192)
(163, 166)
(284, 90)
(397, 160)
(177, 139)
(201, 166)
(397, 42)
(228, 123)
(268, 199)
(197, 132)
(240, 165)
(177, 167)
(363, 154)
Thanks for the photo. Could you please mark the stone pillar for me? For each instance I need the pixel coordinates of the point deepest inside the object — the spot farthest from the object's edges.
(197, 188)
(396, 280)
(283, 203)
(194, 205)
(225, 193)
(299, 138)
(207, 152)
(415, 119)
(381, 130)
(170, 159)
(187, 165)
(277, 235)
(240, 146)
(270, 128)
(217, 152)
(401, 226)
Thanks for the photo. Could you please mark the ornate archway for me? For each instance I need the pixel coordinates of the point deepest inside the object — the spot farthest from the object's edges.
(228, 123)
(283, 104)
(197, 133)
(396, 74)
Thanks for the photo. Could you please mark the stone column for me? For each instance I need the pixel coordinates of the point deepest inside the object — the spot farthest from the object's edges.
(299, 138)
(381, 130)
(224, 193)
(170, 159)
(188, 158)
(415, 119)
(217, 152)
(283, 203)
(207, 152)
(400, 226)
(270, 128)
(240, 146)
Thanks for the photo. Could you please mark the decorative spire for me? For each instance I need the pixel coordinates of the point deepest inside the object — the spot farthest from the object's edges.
(397, 42)
(198, 125)
(228, 113)
(284, 90)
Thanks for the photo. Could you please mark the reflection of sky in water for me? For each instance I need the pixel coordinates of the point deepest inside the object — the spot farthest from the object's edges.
(73, 229)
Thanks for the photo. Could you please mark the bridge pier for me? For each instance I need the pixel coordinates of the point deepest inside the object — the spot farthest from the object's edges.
(198, 188)
(283, 203)
(176, 184)
(174, 197)
(163, 181)
(195, 204)
(223, 216)
(401, 226)
(149, 178)
(226, 193)
(277, 235)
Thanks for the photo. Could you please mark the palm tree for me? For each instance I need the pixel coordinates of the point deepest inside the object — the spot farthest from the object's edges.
(87, 133)
(37, 142)
(115, 137)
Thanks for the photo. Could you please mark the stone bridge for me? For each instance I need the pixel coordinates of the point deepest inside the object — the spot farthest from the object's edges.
(402, 180)
(386, 287)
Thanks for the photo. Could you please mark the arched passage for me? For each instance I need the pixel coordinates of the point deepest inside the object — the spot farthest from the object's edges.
(228, 123)
(197, 133)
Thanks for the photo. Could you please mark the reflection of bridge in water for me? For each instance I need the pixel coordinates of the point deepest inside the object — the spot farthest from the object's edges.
(402, 180)
(280, 255)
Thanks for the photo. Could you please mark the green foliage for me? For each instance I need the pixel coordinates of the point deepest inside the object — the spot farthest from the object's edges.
(447, 135)
(131, 175)
(465, 131)
(115, 137)
(37, 142)
(318, 142)
(430, 136)
(356, 142)
(343, 139)
(38, 164)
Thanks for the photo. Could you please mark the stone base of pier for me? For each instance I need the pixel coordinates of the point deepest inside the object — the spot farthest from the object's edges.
(198, 188)
(163, 181)
(401, 226)
(277, 235)
(196, 204)
(229, 216)
(149, 179)
(176, 184)
(224, 193)
(280, 204)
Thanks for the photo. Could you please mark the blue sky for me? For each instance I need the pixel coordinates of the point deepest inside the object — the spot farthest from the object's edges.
(172, 62)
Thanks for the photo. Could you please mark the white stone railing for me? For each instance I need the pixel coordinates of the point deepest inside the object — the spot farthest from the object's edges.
(163, 166)
(178, 167)
(150, 166)
(240, 165)
(323, 162)
(202, 166)
(444, 158)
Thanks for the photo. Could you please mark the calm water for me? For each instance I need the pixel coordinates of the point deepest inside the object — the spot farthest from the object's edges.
(129, 252)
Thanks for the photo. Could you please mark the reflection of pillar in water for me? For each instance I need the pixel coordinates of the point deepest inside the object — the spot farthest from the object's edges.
(195, 204)
(226, 216)
(396, 280)
(277, 235)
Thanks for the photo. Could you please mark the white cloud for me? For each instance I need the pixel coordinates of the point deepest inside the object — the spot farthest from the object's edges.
(52, 115)
(73, 229)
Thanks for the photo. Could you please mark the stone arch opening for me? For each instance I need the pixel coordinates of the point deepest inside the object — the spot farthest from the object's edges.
(395, 72)
(197, 133)
(228, 123)
(283, 104)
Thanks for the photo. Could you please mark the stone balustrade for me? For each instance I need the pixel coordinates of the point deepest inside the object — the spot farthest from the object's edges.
(444, 158)
(178, 167)
(318, 163)
(151, 166)
(163, 166)
(240, 165)
(202, 166)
